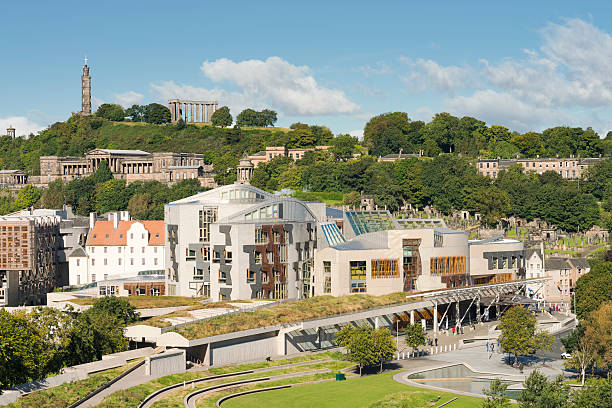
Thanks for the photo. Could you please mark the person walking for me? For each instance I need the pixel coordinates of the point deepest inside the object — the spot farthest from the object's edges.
(487, 346)
(436, 341)
(493, 348)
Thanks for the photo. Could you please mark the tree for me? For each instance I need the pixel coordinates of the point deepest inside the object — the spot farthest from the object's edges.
(344, 336)
(111, 196)
(343, 146)
(599, 329)
(415, 336)
(139, 206)
(383, 344)
(593, 289)
(266, 118)
(180, 124)
(496, 395)
(517, 331)
(136, 112)
(117, 307)
(94, 334)
(22, 350)
(27, 197)
(352, 199)
(222, 117)
(597, 393)
(539, 392)
(156, 114)
(543, 341)
(111, 111)
(53, 196)
(583, 356)
(247, 117)
(103, 173)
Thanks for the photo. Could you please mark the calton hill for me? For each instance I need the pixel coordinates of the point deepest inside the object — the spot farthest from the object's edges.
(444, 177)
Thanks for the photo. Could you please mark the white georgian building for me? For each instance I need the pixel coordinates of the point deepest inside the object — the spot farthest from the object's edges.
(117, 248)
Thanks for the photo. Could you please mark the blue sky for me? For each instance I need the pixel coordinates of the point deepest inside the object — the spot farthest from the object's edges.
(526, 65)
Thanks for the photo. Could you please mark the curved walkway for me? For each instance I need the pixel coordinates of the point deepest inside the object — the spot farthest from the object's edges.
(191, 399)
(163, 392)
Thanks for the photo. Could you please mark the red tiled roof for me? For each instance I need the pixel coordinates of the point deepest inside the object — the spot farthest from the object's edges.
(103, 233)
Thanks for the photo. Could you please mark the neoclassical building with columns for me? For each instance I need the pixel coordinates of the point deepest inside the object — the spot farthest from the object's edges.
(129, 165)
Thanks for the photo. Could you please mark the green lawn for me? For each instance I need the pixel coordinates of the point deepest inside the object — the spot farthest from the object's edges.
(372, 391)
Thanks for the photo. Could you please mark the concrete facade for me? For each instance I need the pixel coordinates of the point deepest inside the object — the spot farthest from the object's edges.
(28, 266)
(414, 260)
(238, 242)
(166, 363)
(129, 165)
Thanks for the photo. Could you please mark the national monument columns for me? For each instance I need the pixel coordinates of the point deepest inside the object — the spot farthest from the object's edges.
(192, 111)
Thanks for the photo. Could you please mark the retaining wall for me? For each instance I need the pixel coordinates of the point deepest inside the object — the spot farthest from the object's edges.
(169, 362)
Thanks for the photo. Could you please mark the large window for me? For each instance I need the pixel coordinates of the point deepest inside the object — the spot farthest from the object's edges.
(261, 236)
(283, 253)
(447, 265)
(358, 270)
(271, 211)
(327, 288)
(385, 268)
(207, 217)
(327, 267)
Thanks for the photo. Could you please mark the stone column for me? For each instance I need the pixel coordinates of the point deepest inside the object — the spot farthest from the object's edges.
(191, 112)
(478, 316)
(457, 316)
(435, 317)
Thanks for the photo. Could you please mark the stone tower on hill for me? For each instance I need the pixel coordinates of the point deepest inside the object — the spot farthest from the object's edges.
(85, 91)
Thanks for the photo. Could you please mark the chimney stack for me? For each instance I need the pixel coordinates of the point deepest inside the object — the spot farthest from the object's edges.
(92, 220)
(115, 217)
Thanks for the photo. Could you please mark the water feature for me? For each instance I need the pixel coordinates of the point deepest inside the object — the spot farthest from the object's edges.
(460, 378)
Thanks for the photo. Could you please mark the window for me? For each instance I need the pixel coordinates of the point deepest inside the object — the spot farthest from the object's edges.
(276, 237)
(216, 256)
(142, 236)
(155, 292)
(327, 267)
(119, 261)
(154, 250)
(143, 250)
(283, 252)
(494, 263)
(105, 276)
(143, 261)
(198, 274)
(93, 262)
(222, 276)
(207, 216)
(270, 257)
(102, 290)
(105, 249)
(78, 262)
(261, 237)
(190, 254)
(155, 261)
(250, 276)
(93, 249)
(119, 249)
(120, 235)
(228, 256)
(131, 236)
(131, 250)
(327, 287)
(131, 261)
(447, 265)
(105, 261)
(385, 268)
(206, 253)
(78, 279)
(514, 261)
(358, 287)
(358, 270)
(257, 257)
(93, 277)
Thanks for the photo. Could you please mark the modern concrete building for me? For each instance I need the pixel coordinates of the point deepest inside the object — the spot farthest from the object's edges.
(28, 264)
(568, 168)
(239, 242)
(118, 248)
(129, 165)
(378, 254)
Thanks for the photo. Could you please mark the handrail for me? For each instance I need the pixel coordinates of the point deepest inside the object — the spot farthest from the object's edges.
(188, 397)
(202, 379)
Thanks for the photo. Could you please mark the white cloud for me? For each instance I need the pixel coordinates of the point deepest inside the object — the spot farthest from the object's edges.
(278, 84)
(23, 126)
(127, 99)
(379, 69)
(427, 73)
(358, 133)
(504, 109)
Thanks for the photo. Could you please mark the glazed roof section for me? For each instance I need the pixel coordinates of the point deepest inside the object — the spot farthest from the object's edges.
(239, 193)
(332, 234)
(365, 221)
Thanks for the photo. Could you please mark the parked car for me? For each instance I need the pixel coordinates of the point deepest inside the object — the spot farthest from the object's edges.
(565, 356)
